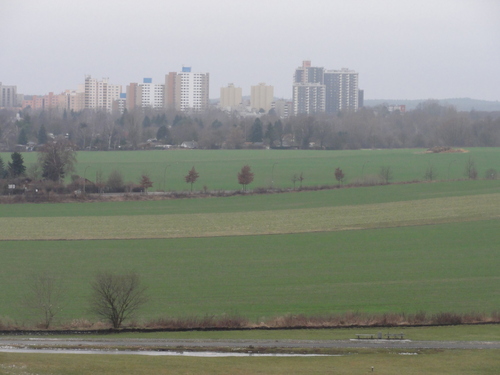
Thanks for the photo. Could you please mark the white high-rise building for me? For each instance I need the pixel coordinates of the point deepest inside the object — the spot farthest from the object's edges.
(187, 91)
(151, 94)
(99, 95)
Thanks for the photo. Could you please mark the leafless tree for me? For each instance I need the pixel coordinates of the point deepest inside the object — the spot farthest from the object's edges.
(301, 178)
(116, 297)
(470, 170)
(44, 296)
(294, 179)
(491, 174)
(115, 181)
(339, 176)
(385, 174)
(430, 173)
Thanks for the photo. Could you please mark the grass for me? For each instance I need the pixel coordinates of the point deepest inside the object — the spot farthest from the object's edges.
(266, 202)
(392, 214)
(446, 267)
(440, 333)
(218, 168)
(466, 362)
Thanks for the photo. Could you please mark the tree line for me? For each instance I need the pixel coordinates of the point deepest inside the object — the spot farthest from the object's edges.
(429, 125)
(57, 158)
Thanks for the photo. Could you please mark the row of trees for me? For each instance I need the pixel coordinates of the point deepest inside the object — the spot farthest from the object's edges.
(431, 124)
(114, 297)
(57, 158)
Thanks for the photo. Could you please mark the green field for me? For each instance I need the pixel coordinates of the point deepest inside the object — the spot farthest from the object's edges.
(487, 332)
(218, 168)
(390, 362)
(431, 247)
(397, 248)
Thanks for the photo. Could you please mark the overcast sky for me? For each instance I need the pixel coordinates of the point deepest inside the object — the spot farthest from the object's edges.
(402, 49)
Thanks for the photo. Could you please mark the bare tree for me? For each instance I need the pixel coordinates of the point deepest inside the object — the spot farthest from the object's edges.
(430, 173)
(191, 177)
(294, 180)
(115, 181)
(301, 178)
(245, 176)
(470, 170)
(339, 176)
(116, 297)
(145, 182)
(44, 296)
(385, 174)
(491, 174)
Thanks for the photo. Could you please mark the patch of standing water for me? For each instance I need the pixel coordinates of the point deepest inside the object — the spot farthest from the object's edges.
(161, 353)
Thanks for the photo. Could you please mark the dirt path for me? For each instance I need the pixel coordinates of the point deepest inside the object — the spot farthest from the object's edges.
(157, 344)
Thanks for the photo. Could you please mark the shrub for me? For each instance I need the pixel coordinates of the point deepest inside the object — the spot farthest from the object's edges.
(491, 174)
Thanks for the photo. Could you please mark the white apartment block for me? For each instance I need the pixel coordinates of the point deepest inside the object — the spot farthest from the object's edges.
(99, 95)
(152, 94)
(186, 91)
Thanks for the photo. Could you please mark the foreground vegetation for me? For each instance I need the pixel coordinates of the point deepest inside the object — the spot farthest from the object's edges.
(467, 362)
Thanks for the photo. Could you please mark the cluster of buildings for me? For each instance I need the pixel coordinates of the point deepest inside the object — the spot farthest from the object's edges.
(315, 90)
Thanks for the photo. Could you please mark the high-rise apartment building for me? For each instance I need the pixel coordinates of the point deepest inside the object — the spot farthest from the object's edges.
(262, 97)
(186, 90)
(318, 90)
(230, 97)
(341, 90)
(145, 95)
(99, 95)
(152, 94)
(8, 96)
(308, 89)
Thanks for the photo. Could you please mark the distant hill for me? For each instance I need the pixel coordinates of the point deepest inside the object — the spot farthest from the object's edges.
(461, 104)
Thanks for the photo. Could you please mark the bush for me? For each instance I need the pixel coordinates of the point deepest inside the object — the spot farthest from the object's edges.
(115, 182)
(491, 174)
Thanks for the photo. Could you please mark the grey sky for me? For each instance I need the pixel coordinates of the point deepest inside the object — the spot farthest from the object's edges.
(401, 49)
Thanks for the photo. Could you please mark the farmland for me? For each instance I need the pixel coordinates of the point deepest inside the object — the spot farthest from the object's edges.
(400, 248)
(218, 169)
(395, 248)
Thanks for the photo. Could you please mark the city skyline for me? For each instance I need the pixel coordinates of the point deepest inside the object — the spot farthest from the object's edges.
(401, 49)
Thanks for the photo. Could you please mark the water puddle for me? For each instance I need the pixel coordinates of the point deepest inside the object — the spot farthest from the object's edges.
(159, 353)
